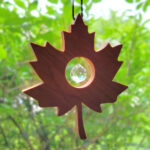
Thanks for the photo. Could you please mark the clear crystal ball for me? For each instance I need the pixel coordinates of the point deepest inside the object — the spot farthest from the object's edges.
(78, 73)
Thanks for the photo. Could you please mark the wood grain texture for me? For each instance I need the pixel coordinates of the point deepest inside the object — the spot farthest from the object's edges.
(50, 66)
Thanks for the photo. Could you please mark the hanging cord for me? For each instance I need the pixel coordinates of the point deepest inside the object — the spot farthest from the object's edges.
(73, 9)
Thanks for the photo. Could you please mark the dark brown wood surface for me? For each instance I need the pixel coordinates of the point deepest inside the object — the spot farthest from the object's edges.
(50, 66)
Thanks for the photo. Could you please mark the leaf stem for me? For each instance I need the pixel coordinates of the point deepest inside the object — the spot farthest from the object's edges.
(79, 122)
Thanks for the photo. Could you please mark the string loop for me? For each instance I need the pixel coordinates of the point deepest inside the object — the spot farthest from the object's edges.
(73, 9)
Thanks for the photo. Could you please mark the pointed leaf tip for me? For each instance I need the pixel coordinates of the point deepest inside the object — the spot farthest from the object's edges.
(36, 49)
(78, 19)
(94, 106)
(48, 45)
(116, 50)
(34, 45)
(61, 110)
(112, 51)
(78, 24)
(108, 45)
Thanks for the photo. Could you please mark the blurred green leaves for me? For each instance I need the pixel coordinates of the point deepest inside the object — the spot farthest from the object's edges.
(53, 1)
(141, 4)
(20, 3)
(130, 1)
(33, 5)
(3, 53)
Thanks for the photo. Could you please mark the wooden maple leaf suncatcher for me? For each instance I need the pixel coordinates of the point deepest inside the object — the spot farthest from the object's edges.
(55, 90)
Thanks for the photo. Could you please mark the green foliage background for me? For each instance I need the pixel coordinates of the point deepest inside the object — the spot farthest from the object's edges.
(124, 125)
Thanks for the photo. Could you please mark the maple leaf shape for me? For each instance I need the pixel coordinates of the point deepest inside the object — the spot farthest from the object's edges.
(55, 90)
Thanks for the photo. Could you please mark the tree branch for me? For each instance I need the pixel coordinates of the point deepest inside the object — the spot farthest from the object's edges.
(24, 134)
(4, 136)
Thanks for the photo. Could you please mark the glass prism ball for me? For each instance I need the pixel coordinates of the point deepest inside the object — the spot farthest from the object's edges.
(78, 73)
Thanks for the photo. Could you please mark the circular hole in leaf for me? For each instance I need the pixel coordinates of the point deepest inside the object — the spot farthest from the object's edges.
(80, 72)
